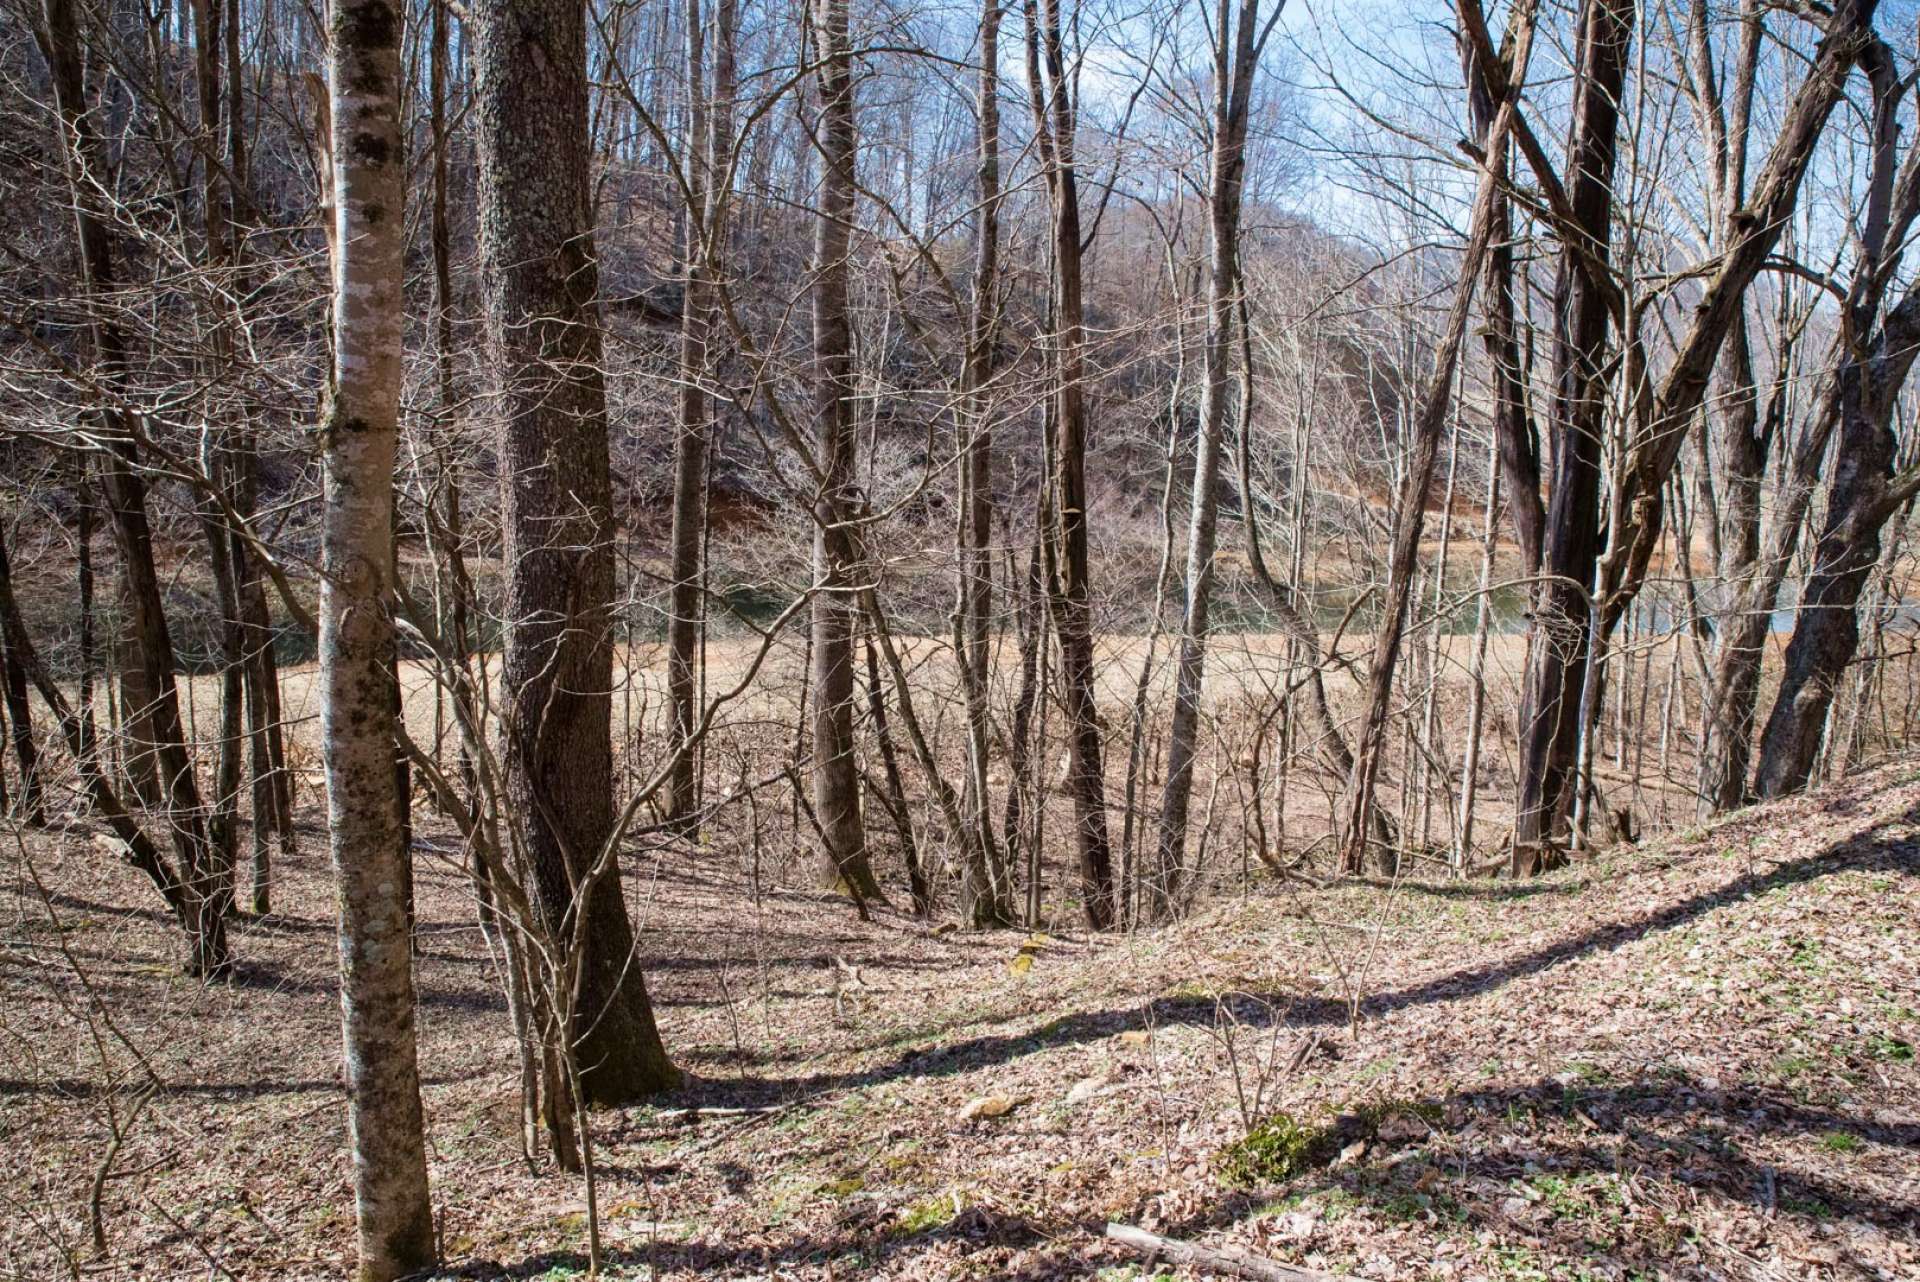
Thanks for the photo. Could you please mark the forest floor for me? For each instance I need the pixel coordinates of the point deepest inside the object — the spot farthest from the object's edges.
(1692, 1059)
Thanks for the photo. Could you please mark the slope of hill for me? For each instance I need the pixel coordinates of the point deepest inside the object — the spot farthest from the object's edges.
(1689, 1060)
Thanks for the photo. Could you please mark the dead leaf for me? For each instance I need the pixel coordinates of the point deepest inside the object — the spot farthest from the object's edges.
(1085, 1089)
(987, 1106)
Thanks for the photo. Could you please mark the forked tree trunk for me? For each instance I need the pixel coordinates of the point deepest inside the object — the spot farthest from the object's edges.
(377, 1007)
(1557, 650)
(1892, 201)
(1862, 495)
(537, 251)
(1663, 421)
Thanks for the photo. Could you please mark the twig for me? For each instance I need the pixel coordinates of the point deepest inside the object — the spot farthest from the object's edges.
(1237, 1264)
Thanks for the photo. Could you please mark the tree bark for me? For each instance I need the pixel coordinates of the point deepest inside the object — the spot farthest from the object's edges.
(706, 162)
(1862, 494)
(1417, 481)
(541, 285)
(1069, 586)
(206, 937)
(125, 488)
(836, 772)
(1557, 650)
(985, 893)
(27, 803)
(1518, 446)
(356, 643)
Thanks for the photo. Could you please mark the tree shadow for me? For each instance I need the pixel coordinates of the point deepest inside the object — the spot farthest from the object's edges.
(1479, 889)
(1882, 848)
(860, 1239)
(1562, 1189)
(264, 976)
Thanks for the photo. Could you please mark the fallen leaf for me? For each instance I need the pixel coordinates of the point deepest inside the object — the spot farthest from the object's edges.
(987, 1106)
(1085, 1089)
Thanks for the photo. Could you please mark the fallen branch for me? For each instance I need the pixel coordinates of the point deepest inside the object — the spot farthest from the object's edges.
(1237, 1264)
(697, 1112)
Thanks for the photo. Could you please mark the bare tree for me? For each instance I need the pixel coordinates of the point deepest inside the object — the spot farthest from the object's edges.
(836, 771)
(541, 278)
(1234, 66)
(126, 492)
(1051, 94)
(985, 898)
(367, 172)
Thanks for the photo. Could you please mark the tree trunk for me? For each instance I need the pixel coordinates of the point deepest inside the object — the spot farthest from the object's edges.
(1861, 496)
(1069, 587)
(836, 772)
(27, 802)
(206, 936)
(536, 239)
(706, 159)
(1893, 198)
(985, 898)
(1233, 70)
(1557, 649)
(125, 488)
(1518, 448)
(356, 643)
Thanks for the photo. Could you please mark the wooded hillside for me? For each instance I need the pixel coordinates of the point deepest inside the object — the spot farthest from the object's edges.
(907, 628)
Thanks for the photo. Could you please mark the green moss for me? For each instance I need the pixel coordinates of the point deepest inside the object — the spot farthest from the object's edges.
(1283, 1146)
(925, 1216)
(1274, 1151)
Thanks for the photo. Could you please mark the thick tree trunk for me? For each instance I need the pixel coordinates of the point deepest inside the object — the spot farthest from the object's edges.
(1728, 718)
(1557, 652)
(536, 238)
(1861, 496)
(356, 643)
(836, 771)
(1892, 201)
